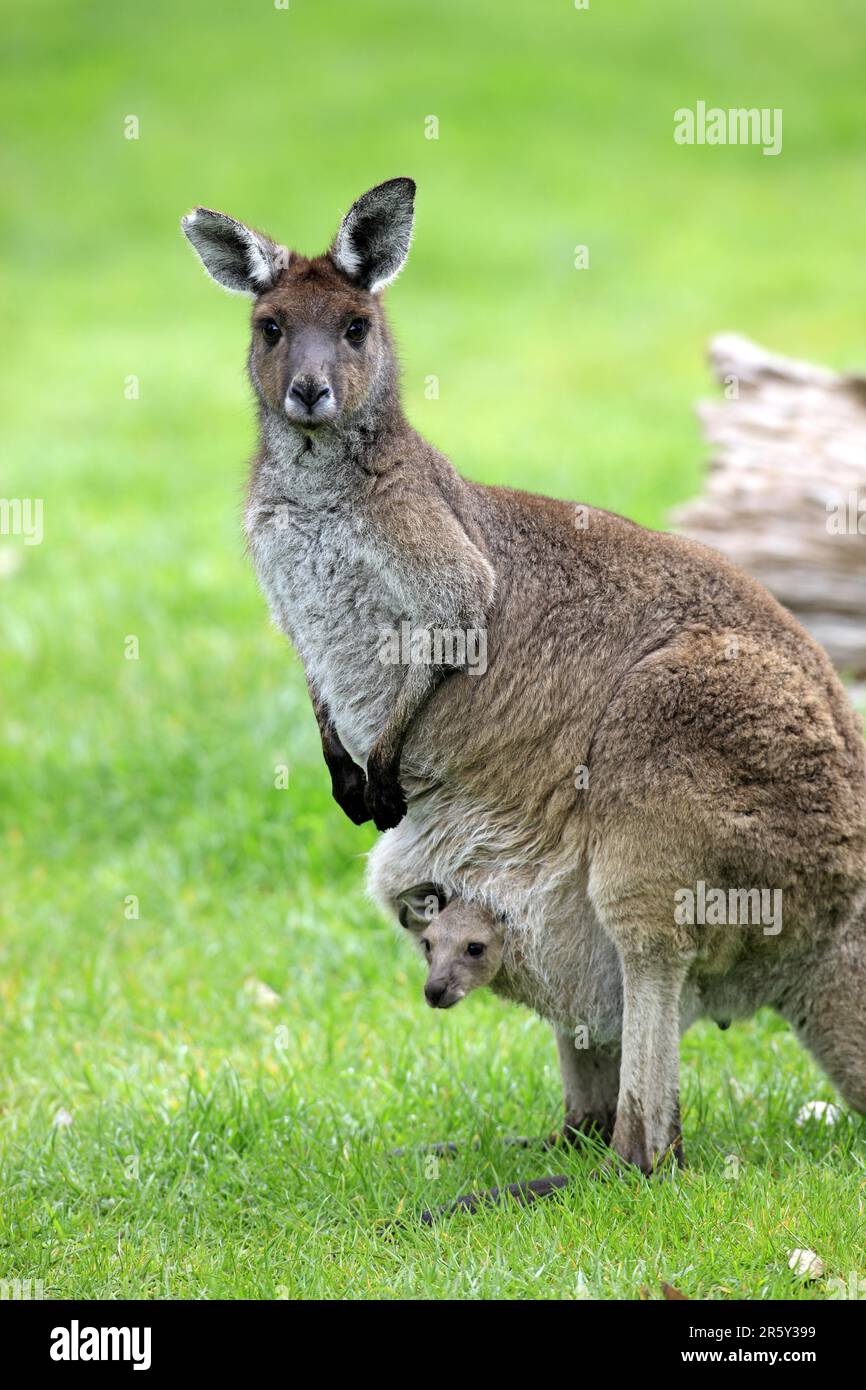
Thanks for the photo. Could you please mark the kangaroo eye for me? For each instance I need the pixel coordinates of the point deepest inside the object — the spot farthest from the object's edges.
(425, 943)
(271, 331)
(358, 330)
(475, 948)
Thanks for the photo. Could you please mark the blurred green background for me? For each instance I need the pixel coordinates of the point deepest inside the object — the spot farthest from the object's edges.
(198, 1100)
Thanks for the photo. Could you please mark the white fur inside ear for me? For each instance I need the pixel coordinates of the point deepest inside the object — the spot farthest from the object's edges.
(373, 240)
(380, 284)
(345, 256)
(265, 262)
(259, 270)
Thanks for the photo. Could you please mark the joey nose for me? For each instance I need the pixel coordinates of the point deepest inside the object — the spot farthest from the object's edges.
(434, 992)
(310, 389)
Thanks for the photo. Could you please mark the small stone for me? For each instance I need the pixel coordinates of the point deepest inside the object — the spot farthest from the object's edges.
(820, 1110)
(261, 994)
(806, 1264)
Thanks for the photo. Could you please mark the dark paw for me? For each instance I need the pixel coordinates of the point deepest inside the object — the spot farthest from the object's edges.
(385, 801)
(349, 794)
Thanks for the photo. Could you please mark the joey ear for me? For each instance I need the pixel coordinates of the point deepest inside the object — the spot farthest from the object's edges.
(418, 906)
(373, 241)
(238, 258)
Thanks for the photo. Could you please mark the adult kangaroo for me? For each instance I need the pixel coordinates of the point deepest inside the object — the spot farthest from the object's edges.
(651, 723)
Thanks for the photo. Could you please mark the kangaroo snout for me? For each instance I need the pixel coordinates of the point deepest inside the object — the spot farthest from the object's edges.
(439, 994)
(310, 398)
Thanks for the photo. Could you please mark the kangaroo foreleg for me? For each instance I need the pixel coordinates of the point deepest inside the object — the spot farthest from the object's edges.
(347, 778)
(384, 797)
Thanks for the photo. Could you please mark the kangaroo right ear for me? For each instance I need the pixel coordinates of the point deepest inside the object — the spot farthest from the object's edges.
(418, 906)
(235, 256)
(373, 241)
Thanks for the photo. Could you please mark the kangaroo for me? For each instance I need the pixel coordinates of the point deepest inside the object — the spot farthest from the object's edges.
(653, 732)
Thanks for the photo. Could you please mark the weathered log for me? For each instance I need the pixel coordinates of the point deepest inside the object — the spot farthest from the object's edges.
(785, 496)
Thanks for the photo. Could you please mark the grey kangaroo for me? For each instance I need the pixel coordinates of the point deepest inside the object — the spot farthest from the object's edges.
(655, 741)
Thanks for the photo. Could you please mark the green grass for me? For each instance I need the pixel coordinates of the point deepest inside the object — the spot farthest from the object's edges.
(226, 1142)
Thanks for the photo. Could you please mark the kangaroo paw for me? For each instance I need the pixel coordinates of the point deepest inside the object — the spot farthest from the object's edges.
(384, 800)
(348, 786)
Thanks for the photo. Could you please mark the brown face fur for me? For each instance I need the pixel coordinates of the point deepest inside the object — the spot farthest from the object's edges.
(312, 371)
(462, 944)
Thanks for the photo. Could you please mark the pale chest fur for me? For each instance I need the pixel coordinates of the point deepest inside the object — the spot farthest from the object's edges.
(334, 605)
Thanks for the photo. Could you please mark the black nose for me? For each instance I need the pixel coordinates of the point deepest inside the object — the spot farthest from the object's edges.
(434, 991)
(309, 389)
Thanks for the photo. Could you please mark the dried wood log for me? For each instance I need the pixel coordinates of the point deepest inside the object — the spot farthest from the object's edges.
(785, 496)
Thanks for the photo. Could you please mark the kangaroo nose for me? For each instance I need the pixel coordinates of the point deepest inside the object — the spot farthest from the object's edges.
(434, 991)
(309, 389)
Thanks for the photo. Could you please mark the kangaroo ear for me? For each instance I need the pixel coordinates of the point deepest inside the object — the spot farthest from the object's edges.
(418, 906)
(235, 256)
(373, 241)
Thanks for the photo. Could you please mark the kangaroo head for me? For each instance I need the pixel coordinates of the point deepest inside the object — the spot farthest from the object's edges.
(461, 942)
(321, 354)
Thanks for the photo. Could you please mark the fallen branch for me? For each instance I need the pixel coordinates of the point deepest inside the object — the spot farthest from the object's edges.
(785, 496)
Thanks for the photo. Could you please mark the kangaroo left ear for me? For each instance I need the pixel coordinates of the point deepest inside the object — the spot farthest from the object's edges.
(418, 906)
(373, 241)
(237, 257)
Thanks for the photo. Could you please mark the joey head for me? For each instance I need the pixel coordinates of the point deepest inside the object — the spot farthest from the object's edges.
(461, 943)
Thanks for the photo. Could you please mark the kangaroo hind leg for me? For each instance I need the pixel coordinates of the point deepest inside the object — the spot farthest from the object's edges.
(829, 1015)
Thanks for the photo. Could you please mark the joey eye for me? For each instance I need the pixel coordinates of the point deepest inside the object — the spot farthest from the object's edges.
(475, 948)
(358, 330)
(271, 331)
(426, 944)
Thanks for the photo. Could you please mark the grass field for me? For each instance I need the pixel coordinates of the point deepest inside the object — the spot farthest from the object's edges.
(209, 1041)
